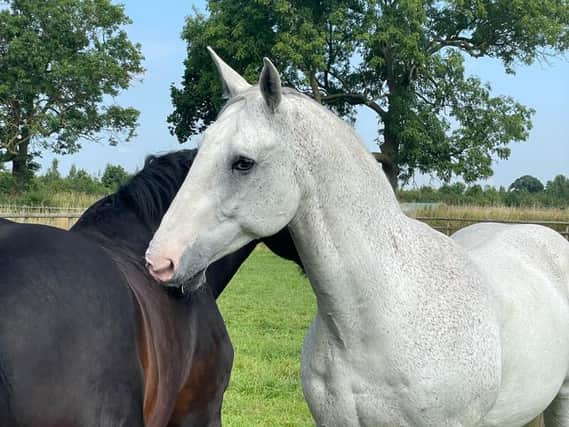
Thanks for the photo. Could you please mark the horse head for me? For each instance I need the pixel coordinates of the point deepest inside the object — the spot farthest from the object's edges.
(242, 185)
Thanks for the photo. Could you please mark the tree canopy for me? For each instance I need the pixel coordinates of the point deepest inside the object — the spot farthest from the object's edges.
(114, 177)
(527, 183)
(559, 186)
(61, 62)
(402, 59)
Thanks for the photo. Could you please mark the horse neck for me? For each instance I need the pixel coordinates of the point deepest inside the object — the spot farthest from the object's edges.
(348, 227)
(118, 233)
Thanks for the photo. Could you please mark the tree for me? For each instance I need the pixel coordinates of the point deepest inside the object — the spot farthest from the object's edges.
(558, 188)
(456, 189)
(60, 61)
(527, 183)
(475, 193)
(52, 173)
(114, 177)
(401, 59)
(72, 172)
(80, 181)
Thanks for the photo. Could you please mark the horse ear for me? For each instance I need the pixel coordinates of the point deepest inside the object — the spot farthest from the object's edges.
(270, 84)
(233, 83)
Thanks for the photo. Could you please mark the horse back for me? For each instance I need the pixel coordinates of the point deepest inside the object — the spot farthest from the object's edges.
(522, 246)
(68, 354)
(77, 320)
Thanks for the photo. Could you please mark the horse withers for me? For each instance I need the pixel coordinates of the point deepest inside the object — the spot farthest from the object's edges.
(87, 338)
(413, 328)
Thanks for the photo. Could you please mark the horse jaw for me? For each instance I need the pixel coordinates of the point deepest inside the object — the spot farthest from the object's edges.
(209, 246)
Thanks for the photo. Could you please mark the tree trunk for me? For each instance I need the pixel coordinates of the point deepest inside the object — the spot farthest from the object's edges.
(389, 150)
(314, 87)
(20, 165)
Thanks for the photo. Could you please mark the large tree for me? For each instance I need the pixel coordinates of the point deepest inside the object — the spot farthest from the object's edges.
(61, 62)
(403, 59)
(527, 183)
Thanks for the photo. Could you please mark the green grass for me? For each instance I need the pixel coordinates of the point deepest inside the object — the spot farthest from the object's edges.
(267, 308)
(61, 199)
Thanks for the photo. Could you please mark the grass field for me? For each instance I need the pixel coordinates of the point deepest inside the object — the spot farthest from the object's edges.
(267, 308)
(71, 199)
(61, 199)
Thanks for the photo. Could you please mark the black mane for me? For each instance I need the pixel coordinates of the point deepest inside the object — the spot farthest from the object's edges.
(146, 196)
(150, 192)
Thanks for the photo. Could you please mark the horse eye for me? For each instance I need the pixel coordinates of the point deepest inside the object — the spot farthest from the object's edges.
(243, 164)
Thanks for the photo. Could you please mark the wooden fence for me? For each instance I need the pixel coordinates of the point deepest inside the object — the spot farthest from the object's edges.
(60, 220)
(442, 224)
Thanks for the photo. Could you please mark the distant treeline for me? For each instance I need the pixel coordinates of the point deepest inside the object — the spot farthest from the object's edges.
(47, 190)
(526, 191)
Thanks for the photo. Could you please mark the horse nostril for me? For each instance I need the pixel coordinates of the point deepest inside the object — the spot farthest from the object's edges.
(170, 265)
(161, 269)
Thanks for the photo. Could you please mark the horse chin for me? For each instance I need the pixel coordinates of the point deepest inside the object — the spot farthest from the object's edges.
(188, 285)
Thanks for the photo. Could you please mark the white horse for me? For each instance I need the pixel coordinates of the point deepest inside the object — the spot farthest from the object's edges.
(413, 328)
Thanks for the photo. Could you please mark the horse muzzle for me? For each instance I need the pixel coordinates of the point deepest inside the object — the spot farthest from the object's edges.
(161, 268)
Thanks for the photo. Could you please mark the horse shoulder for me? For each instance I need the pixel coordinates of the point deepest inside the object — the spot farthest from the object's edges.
(209, 367)
(185, 353)
(156, 343)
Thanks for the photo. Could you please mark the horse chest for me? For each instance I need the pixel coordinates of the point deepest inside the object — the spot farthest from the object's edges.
(341, 387)
(380, 385)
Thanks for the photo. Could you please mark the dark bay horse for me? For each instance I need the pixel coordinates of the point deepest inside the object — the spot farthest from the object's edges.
(87, 338)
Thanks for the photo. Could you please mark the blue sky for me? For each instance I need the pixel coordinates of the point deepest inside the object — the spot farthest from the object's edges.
(157, 27)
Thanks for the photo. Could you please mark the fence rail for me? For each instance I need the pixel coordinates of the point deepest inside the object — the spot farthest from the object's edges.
(445, 225)
(20, 208)
(62, 220)
(41, 215)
